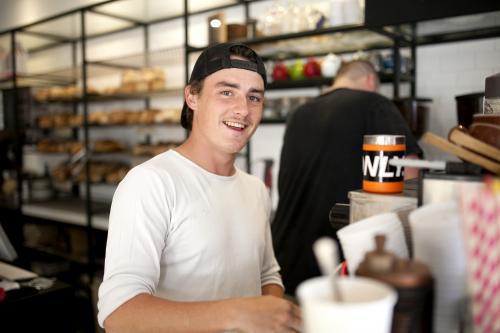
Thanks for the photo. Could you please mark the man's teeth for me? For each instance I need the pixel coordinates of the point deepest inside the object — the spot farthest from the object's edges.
(233, 124)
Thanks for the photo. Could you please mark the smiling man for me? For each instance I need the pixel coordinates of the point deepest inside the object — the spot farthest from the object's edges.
(189, 246)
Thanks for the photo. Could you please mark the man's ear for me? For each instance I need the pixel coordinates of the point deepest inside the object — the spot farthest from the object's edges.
(191, 99)
(372, 82)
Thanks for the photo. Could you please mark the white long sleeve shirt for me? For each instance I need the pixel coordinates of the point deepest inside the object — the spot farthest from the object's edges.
(181, 233)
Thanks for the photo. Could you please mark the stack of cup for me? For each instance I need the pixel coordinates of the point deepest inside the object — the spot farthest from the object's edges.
(366, 306)
(358, 238)
(438, 242)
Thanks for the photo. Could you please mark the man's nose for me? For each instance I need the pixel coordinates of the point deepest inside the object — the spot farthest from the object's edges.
(241, 106)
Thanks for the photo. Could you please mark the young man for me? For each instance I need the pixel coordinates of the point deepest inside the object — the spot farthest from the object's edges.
(189, 246)
(321, 161)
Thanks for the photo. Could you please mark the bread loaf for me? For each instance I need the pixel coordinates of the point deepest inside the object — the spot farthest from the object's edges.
(107, 146)
(75, 120)
(166, 116)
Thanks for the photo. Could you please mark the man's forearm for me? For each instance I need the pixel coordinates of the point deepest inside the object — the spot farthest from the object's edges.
(272, 289)
(146, 313)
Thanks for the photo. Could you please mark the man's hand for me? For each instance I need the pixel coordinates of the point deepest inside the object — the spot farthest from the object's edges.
(266, 314)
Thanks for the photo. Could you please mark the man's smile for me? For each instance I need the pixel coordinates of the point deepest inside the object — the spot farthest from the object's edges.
(235, 125)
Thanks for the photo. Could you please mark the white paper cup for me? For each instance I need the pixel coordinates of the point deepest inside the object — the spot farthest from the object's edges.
(358, 238)
(367, 307)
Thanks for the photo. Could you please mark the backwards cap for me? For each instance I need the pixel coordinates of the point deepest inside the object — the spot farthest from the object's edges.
(215, 58)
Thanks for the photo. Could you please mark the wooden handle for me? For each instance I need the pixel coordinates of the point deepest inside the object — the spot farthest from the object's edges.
(451, 148)
(468, 141)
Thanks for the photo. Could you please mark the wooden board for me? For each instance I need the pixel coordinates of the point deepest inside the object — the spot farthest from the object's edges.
(463, 139)
(469, 156)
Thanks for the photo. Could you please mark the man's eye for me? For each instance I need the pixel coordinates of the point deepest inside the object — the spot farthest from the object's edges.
(255, 98)
(226, 93)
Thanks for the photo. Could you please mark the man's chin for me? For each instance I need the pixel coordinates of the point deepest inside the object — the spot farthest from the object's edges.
(236, 149)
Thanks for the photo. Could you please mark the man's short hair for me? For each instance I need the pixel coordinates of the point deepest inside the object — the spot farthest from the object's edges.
(356, 69)
(215, 58)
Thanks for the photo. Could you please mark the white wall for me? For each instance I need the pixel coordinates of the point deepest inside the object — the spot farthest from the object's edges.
(447, 70)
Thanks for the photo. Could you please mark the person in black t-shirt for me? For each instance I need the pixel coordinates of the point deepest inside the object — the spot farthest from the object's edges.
(321, 161)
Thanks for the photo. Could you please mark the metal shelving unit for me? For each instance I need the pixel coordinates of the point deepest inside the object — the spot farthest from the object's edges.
(74, 29)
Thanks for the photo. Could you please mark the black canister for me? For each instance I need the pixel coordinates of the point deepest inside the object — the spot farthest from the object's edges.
(413, 282)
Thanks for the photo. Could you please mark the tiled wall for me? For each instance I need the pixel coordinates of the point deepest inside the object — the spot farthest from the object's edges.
(447, 70)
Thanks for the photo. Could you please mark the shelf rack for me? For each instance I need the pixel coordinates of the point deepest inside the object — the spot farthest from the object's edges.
(77, 27)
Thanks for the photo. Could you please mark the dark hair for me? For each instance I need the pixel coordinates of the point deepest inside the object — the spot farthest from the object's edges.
(195, 88)
(216, 55)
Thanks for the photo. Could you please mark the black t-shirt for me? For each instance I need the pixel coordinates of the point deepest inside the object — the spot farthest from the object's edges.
(321, 161)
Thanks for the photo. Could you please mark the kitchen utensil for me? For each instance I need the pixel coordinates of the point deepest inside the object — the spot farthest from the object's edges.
(488, 133)
(486, 119)
(411, 279)
(280, 71)
(312, 68)
(461, 138)
(420, 164)
(416, 113)
(330, 65)
(378, 175)
(325, 250)
(448, 167)
(463, 153)
(492, 94)
(368, 306)
(217, 29)
(296, 71)
(236, 31)
(467, 106)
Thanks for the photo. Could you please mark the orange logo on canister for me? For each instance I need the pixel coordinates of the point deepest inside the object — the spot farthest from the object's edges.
(378, 175)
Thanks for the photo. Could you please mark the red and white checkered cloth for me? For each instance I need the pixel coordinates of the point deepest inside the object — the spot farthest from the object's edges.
(481, 215)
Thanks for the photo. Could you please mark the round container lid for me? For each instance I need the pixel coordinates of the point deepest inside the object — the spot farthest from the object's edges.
(384, 140)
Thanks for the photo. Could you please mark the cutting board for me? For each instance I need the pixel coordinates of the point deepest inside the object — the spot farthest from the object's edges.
(465, 140)
(465, 154)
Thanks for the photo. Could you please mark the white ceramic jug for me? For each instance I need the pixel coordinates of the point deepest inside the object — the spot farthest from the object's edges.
(330, 65)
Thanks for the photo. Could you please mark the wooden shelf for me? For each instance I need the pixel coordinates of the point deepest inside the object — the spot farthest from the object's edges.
(170, 92)
(69, 211)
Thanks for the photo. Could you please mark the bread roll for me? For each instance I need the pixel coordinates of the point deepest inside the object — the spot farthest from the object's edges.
(166, 116)
(75, 120)
(45, 121)
(61, 120)
(41, 94)
(108, 146)
(61, 173)
(118, 117)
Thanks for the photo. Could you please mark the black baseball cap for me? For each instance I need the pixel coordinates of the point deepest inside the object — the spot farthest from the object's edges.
(215, 58)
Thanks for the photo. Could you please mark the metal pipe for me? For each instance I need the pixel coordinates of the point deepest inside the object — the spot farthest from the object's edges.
(118, 17)
(186, 42)
(88, 198)
(397, 67)
(147, 63)
(19, 141)
(413, 68)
